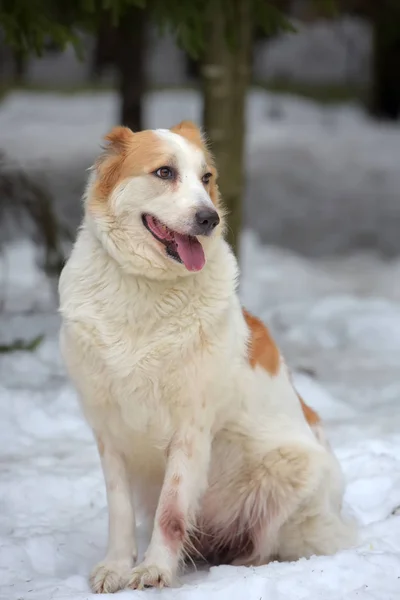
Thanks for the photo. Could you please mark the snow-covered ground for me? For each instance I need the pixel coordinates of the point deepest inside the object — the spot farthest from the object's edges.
(320, 180)
(339, 325)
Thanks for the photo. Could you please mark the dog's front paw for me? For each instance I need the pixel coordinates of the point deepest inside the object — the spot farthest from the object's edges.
(149, 576)
(110, 576)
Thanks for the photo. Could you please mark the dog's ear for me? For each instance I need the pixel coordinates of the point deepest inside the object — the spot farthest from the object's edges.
(191, 132)
(109, 164)
(185, 125)
(118, 140)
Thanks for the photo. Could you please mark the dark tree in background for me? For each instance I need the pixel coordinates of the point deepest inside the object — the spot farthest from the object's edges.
(385, 96)
(124, 46)
(384, 17)
(130, 49)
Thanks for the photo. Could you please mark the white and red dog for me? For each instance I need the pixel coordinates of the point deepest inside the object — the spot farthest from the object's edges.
(188, 397)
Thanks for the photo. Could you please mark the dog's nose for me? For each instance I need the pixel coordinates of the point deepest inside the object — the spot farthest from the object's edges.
(206, 220)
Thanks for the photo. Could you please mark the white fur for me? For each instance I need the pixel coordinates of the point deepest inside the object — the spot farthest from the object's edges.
(159, 359)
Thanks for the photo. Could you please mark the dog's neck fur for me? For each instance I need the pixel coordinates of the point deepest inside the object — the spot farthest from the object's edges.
(214, 288)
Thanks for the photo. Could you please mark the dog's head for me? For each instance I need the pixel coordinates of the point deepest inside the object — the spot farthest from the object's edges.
(153, 200)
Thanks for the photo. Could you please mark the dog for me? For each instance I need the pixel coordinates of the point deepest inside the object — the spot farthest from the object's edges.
(190, 401)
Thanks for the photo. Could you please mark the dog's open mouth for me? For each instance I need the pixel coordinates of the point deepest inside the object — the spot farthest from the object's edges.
(185, 249)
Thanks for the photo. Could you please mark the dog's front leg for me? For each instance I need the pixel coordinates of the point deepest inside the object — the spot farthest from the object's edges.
(112, 573)
(188, 457)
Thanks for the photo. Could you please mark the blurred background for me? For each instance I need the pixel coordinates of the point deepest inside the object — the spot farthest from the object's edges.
(300, 100)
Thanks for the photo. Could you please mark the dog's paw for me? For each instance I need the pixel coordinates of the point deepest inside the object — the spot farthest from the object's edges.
(109, 576)
(149, 576)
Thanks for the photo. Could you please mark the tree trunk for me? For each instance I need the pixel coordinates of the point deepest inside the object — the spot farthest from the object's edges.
(225, 78)
(386, 66)
(131, 40)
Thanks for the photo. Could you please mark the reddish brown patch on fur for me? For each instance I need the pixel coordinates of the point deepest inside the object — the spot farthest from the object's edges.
(173, 526)
(127, 154)
(310, 415)
(264, 352)
(262, 349)
(193, 134)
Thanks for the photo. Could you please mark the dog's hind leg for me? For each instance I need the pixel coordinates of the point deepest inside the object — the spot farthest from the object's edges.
(242, 517)
(296, 507)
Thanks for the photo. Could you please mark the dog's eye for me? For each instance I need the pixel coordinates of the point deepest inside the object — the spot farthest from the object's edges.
(206, 178)
(164, 173)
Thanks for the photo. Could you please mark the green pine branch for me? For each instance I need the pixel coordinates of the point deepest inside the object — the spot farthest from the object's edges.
(29, 24)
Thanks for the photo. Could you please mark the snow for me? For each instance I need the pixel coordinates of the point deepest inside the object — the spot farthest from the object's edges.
(323, 50)
(338, 323)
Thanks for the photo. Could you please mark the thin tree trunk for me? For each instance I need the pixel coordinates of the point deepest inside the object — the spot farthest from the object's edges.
(131, 40)
(386, 66)
(225, 78)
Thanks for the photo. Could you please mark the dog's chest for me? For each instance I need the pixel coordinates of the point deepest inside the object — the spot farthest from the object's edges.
(163, 365)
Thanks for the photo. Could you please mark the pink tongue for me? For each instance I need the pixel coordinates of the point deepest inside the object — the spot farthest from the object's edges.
(190, 251)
